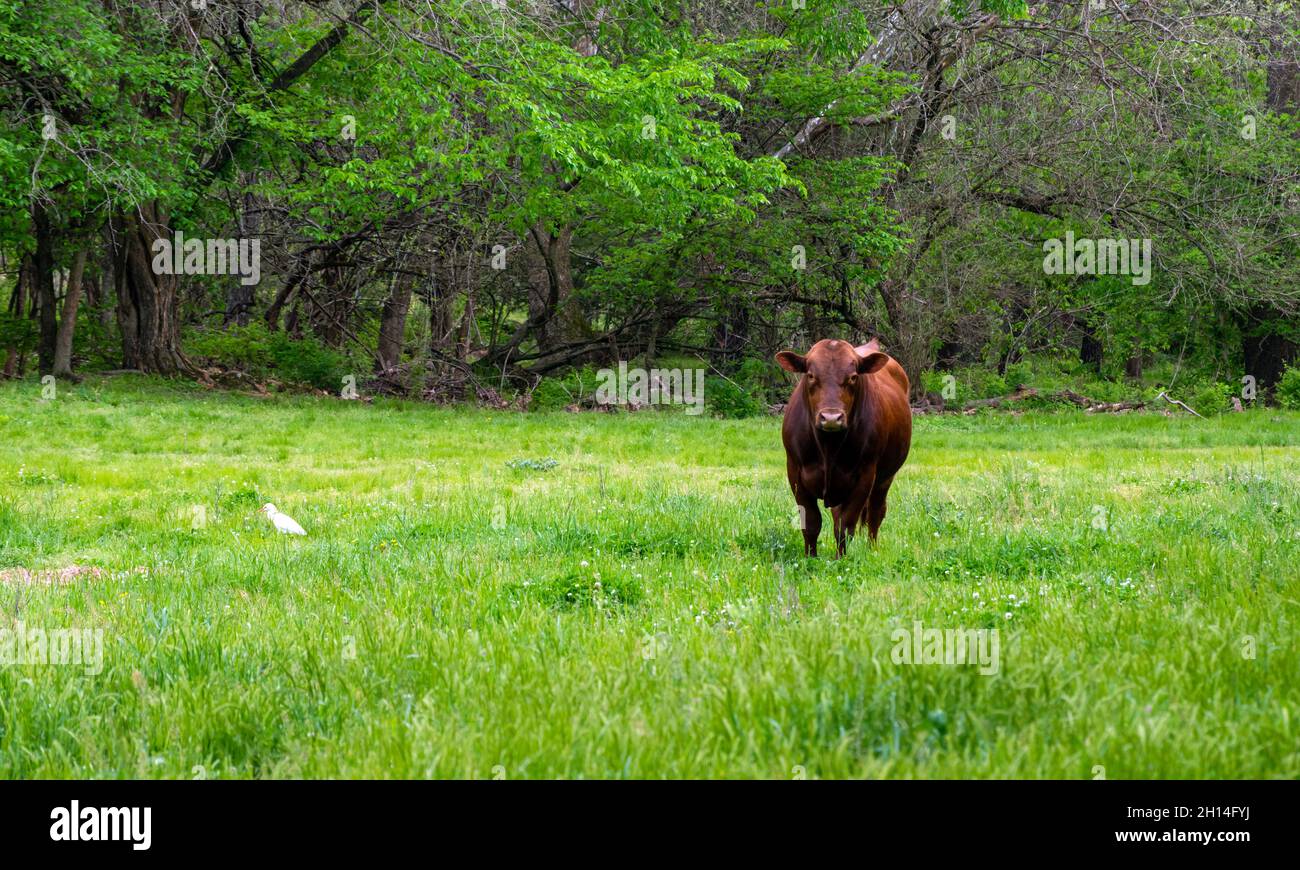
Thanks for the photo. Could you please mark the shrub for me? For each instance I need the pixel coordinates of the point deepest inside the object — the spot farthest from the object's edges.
(932, 381)
(763, 379)
(98, 343)
(259, 352)
(725, 398)
(982, 384)
(555, 394)
(245, 348)
(1210, 397)
(1021, 372)
(1288, 388)
(17, 332)
(307, 361)
(1108, 391)
(970, 383)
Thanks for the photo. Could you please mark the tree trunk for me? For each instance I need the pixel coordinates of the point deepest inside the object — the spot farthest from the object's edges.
(239, 304)
(104, 299)
(464, 334)
(68, 323)
(651, 345)
(890, 290)
(240, 296)
(392, 323)
(730, 335)
(301, 267)
(17, 310)
(148, 303)
(441, 293)
(1264, 353)
(440, 298)
(1090, 348)
(550, 297)
(333, 305)
(1284, 86)
(43, 285)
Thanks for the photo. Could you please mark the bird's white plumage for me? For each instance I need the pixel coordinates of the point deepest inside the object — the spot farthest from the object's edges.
(283, 523)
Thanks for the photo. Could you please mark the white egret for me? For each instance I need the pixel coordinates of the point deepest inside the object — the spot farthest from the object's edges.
(283, 523)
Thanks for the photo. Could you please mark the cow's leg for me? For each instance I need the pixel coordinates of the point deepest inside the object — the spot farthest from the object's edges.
(876, 507)
(812, 520)
(852, 516)
(851, 512)
(841, 531)
(809, 514)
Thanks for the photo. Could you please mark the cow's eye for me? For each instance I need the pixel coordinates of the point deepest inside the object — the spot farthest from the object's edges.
(853, 379)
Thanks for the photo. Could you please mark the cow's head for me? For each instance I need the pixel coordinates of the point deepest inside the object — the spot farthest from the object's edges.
(832, 378)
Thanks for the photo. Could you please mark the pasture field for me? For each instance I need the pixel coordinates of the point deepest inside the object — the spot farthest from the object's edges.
(496, 594)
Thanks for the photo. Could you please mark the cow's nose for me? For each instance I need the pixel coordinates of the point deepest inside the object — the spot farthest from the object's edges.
(831, 420)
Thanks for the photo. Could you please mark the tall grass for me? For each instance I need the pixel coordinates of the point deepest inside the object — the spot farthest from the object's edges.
(639, 607)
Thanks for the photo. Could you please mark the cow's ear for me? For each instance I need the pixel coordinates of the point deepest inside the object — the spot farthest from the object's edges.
(872, 363)
(792, 362)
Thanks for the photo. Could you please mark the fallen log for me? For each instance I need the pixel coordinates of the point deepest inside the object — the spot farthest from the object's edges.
(932, 404)
(1021, 393)
(1074, 398)
(1163, 395)
(1115, 407)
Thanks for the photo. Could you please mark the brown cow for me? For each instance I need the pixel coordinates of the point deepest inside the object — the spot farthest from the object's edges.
(847, 430)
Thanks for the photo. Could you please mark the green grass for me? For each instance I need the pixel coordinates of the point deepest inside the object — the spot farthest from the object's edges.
(639, 608)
